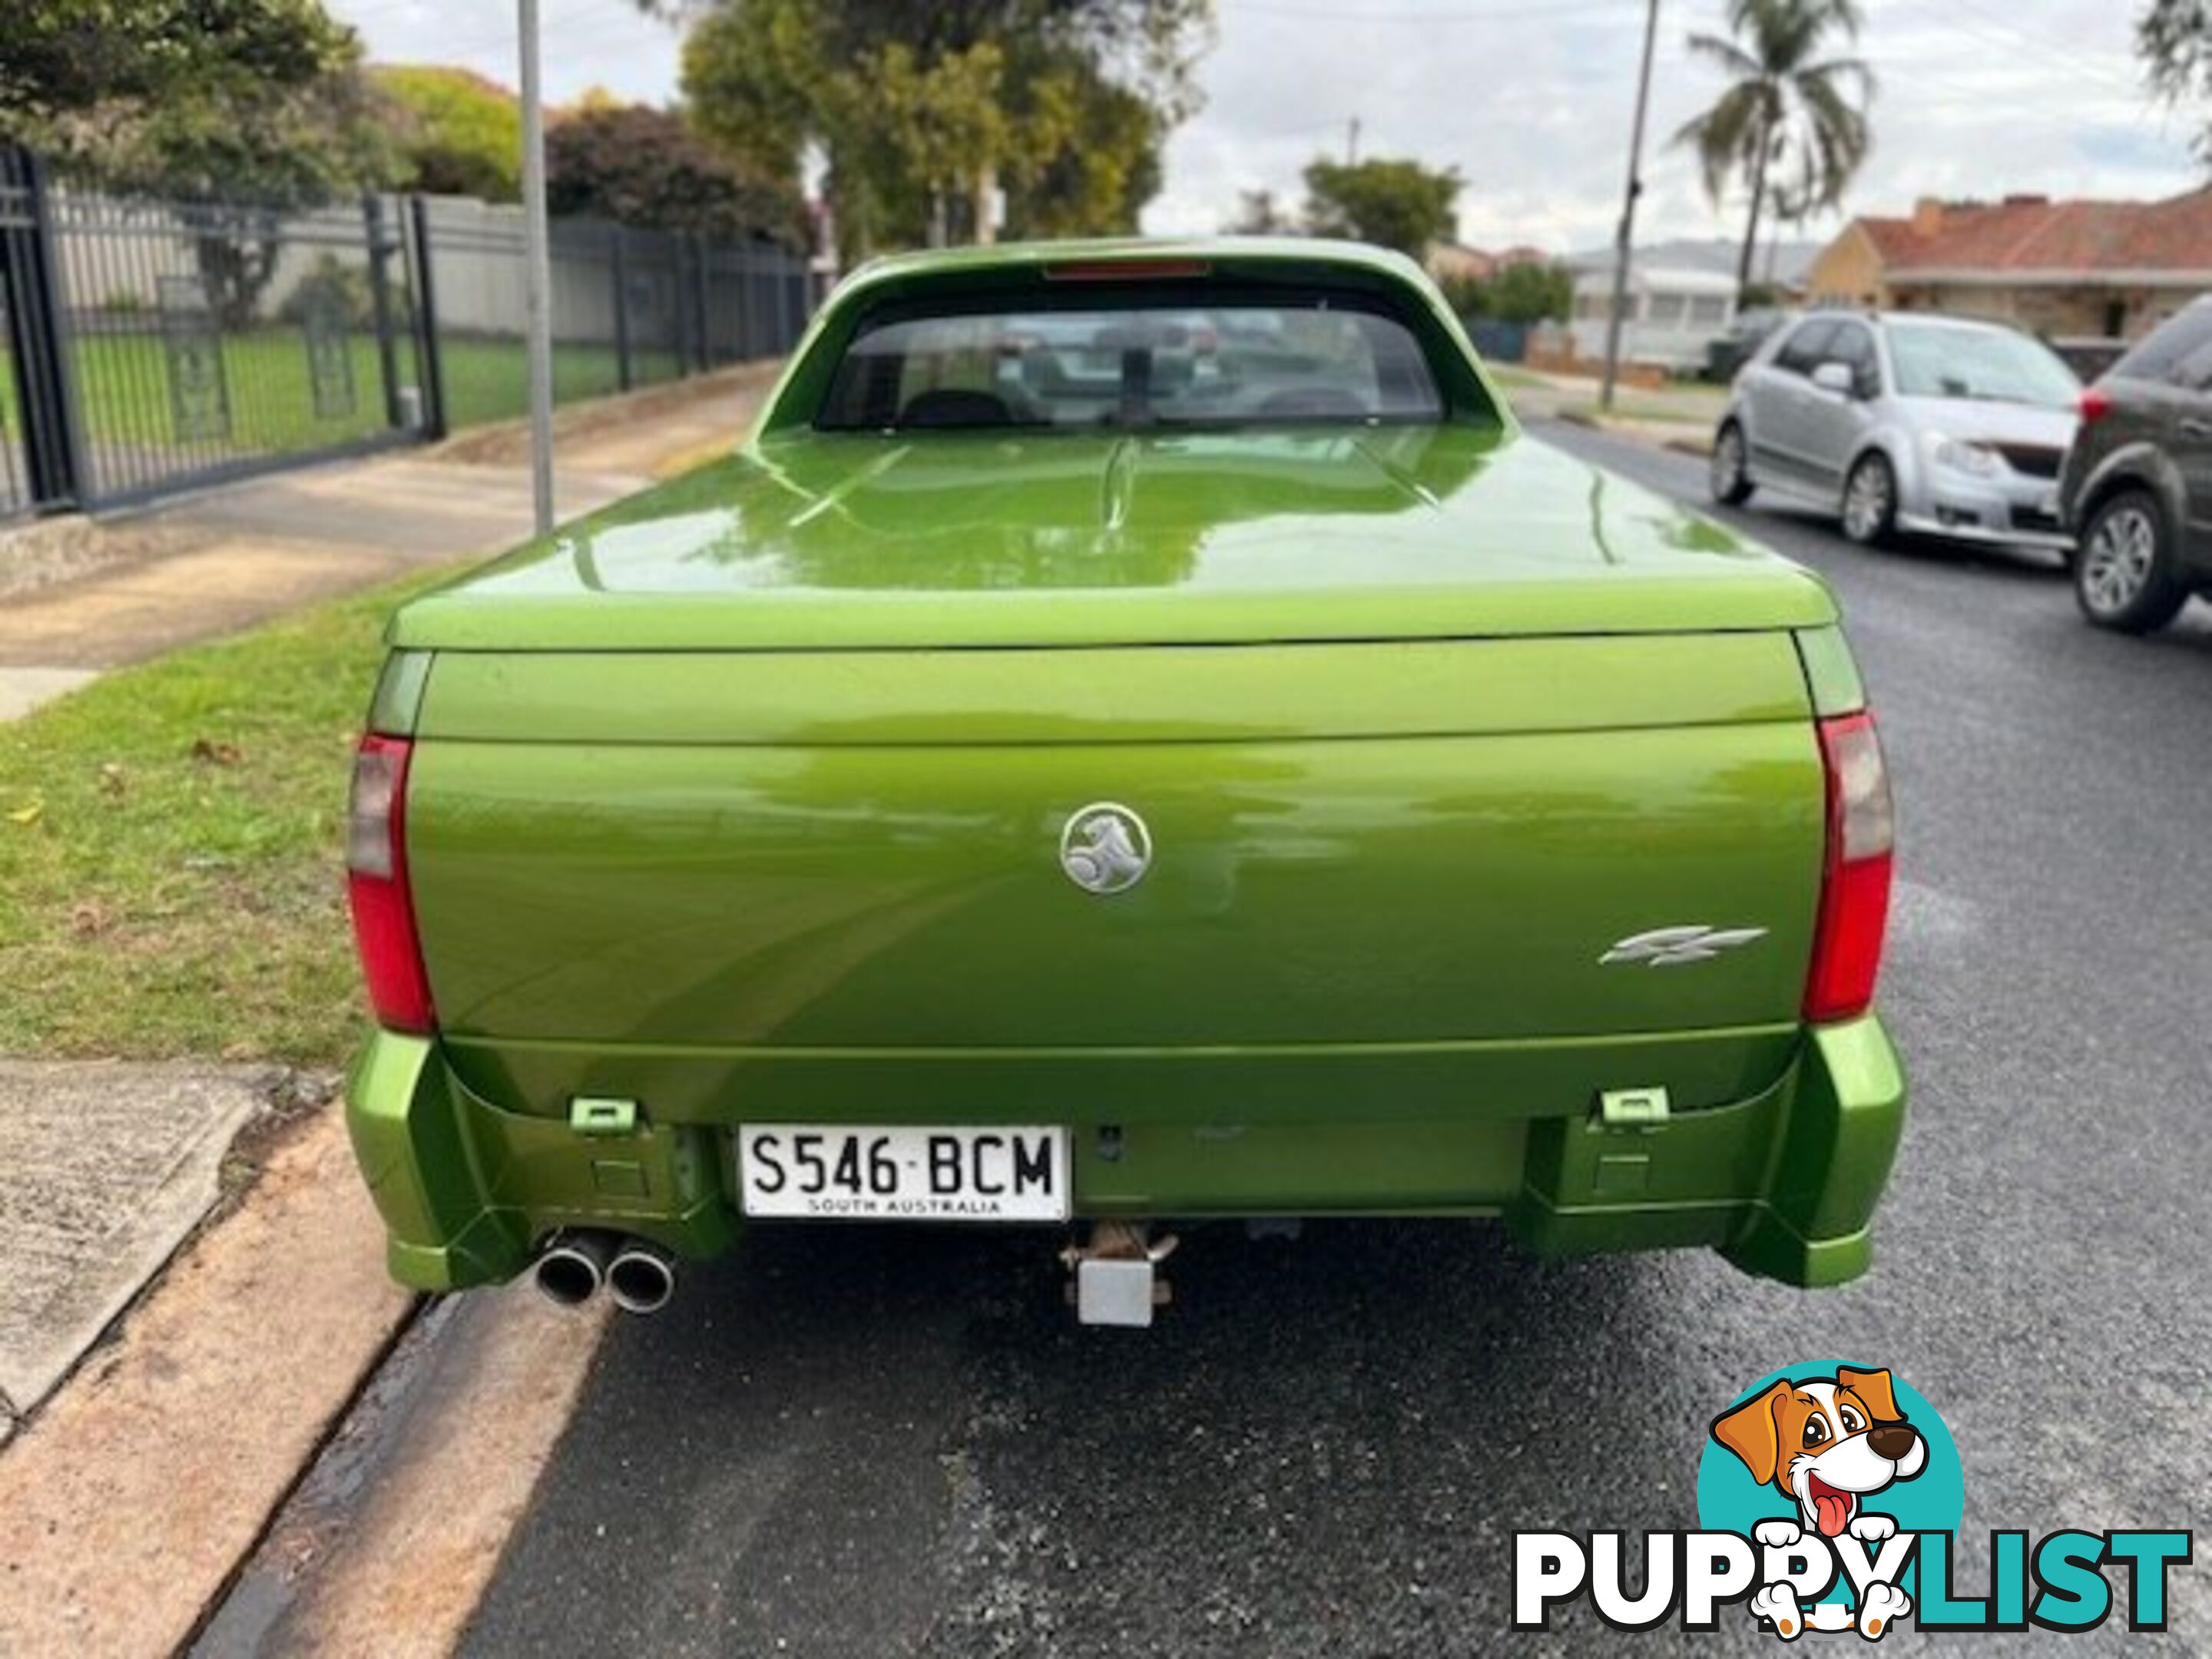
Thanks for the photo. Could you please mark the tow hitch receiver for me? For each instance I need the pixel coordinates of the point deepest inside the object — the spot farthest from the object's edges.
(1117, 1280)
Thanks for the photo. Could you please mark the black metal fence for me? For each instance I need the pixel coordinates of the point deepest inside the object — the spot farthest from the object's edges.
(37, 420)
(631, 307)
(155, 346)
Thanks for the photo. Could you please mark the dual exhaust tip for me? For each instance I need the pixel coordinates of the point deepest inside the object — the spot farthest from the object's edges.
(639, 1276)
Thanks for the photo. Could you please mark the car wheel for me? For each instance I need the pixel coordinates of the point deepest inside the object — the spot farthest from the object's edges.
(1870, 500)
(1731, 467)
(2124, 575)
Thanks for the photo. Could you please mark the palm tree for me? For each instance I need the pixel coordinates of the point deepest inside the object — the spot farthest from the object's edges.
(1787, 101)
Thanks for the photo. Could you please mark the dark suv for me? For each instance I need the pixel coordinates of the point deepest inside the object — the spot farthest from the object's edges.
(2138, 485)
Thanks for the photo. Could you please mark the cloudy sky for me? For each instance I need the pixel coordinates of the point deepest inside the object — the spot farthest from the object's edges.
(1529, 98)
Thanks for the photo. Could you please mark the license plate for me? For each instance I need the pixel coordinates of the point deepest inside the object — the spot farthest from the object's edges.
(838, 1173)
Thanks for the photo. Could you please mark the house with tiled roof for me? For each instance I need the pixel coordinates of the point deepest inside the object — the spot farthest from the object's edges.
(2078, 269)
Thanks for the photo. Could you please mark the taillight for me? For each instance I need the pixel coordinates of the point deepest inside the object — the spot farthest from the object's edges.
(2096, 403)
(376, 884)
(1856, 876)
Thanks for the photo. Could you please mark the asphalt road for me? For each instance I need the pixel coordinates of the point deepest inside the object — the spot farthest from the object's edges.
(850, 1443)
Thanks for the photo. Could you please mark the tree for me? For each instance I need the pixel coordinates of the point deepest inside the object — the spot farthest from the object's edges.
(949, 120)
(1398, 204)
(922, 113)
(1525, 293)
(1787, 103)
(238, 112)
(1529, 292)
(455, 133)
(644, 167)
(1088, 159)
(63, 59)
(2173, 38)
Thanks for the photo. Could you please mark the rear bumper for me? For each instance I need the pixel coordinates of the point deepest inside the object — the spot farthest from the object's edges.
(1785, 1183)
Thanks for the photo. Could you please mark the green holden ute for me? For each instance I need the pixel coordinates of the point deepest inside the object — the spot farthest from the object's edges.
(1138, 736)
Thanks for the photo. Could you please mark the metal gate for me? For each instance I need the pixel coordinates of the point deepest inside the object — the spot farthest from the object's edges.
(149, 346)
(210, 340)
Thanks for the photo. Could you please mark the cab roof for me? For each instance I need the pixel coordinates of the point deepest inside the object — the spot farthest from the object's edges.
(1022, 256)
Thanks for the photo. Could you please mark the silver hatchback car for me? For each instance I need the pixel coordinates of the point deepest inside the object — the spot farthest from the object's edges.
(1905, 424)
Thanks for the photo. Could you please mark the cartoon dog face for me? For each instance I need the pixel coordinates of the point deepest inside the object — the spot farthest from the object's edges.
(1824, 1443)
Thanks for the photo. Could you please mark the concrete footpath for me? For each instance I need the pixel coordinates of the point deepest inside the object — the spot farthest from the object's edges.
(131, 1499)
(152, 1423)
(101, 1190)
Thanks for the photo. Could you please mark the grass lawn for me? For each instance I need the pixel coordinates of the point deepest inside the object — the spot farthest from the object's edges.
(124, 391)
(490, 380)
(170, 865)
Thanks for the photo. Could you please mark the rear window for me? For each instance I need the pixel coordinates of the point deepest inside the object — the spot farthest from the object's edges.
(1140, 365)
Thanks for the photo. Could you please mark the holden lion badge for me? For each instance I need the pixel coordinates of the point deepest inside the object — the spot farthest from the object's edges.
(1105, 849)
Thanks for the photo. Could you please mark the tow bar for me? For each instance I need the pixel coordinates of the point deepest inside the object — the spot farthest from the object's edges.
(1117, 1279)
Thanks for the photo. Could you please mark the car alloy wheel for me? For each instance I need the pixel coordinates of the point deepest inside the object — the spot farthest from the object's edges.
(2123, 575)
(2117, 561)
(1869, 501)
(1731, 478)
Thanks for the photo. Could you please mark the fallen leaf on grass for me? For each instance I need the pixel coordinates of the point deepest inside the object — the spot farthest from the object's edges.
(214, 753)
(28, 815)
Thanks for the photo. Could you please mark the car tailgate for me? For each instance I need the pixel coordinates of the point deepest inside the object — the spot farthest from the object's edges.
(1410, 850)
